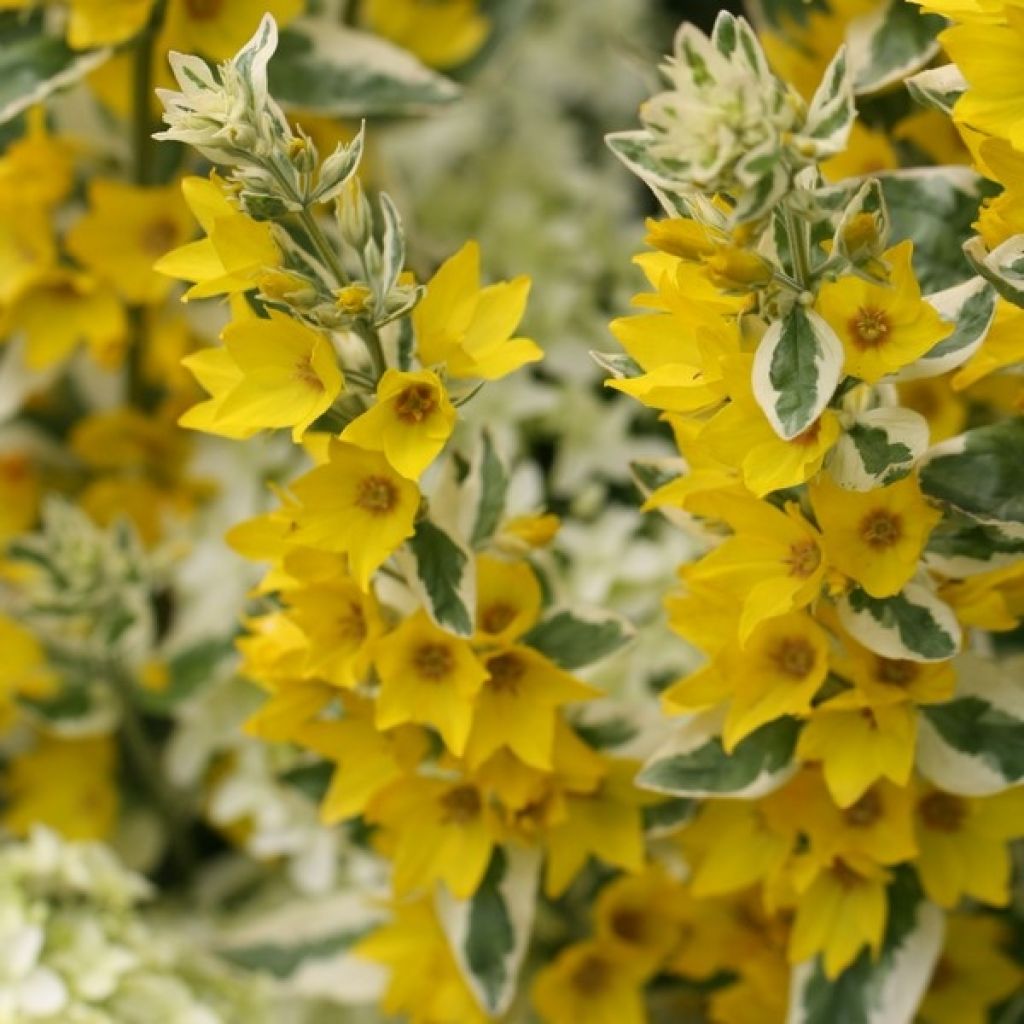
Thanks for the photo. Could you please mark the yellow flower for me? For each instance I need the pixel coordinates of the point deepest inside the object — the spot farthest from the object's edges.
(963, 843)
(436, 830)
(874, 537)
(23, 670)
(236, 254)
(508, 599)
(739, 435)
(83, 806)
(992, 600)
(867, 152)
(883, 327)
(518, 706)
(126, 229)
(276, 373)
(856, 746)
(442, 33)
(218, 28)
(1003, 346)
(588, 983)
(938, 403)
(772, 564)
(27, 247)
(20, 493)
(410, 421)
(428, 676)
(424, 984)
(355, 504)
(842, 910)
(879, 681)
(57, 310)
(469, 328)
(776, 673)
(105, 22)
(974, 972)
(37, 169)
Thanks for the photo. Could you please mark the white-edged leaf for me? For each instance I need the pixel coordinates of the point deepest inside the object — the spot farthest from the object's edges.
(578, 637)
(960, 547)
(971, 306)
(913, 625)
(974, 744)
(489, 932)
(693, 762)
(440, 569)
(484, 491)
(890, 42)
(392, 245)
(1003, 267)
(338, 168)
(878, 447)
(868, 199)
(633, 148)
(883, 991)
(618, 364)
(796, 370)
(938, 88)
(334, 71)
(253, 59)
(831, 113)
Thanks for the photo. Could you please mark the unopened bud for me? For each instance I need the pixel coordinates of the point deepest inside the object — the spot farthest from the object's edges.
(355, 218)
(735, 269)
(353, 299)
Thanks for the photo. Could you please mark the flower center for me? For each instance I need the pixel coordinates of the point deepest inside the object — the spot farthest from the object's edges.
(350, 624)
(433, 661)
(896, 672)
(159, 235)
(943, 812)
(201, 10)
(461, 805)
(804, 559)
(794, 657)
(506, 671)
(880, 529)
(377, 495)
(870, 327)
(497, 616)
(809, 436)
(630, 924)
(845, 875)
(590, 977)
(14, 469)
(307, 376)
(415, 403)
(865, 812)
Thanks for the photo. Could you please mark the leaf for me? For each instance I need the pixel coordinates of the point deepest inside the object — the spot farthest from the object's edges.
(890, 43)
(283, 960)
(934, 207)
(618, 364)
(960, 547)
(189, 670)
(886, 991)
(34, 64)
(333, 71)
(981, 474)
(971, 306)
(868, 199)
(796, 370)
(913, 625)
(938, 88)
(831, 113)
(392, 246)
(490, 931)
(440, 569)
(633, 149)
(878, 447)
(576, 638)
(1003, 267)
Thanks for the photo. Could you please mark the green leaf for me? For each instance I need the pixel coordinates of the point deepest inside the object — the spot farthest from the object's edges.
(490, 931)
(334, 71)
(1003, 267)
(981, 474)
(282, 961)
(883, 991)
(440, 569)
(190, 670)
(938, 88)
(974, 744)
(890, 43)
(694, 763)
(960, 546)
(913, 625)
(796, 370)
(935, 207)
(618, 364)
(878, 447)
(633, 149)
(489, 488)
(33, 65)
(573, 639)
(831, 113)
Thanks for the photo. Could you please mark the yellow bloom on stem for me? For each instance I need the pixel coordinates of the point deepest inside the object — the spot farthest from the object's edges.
(287, 376)
(105, 22)
(518, 705)
(856, 746)
(424, 984)
(468, 328)
(588, 983)
(776, 673)
(126, 229)
(355, 504)
(938, 403)
(20, 493)
(508, 599)
(428, 676)
(843, 909)
(974, 972)
(874, 537)
(867, 152)
(23, 669)
(410, 421)
(442, 33)
(883, 327)
(218, 28)
(59, 309)
(37, 169)
(772, 564)
(992, 600)
(236, 252)
(436, 830)
(739, 435)
(878, 680)
(1003, 346)
(964, 845)
(27, 247)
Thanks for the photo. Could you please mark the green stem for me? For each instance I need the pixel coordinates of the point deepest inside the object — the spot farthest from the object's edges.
(798, 247)
(323, 246)
(371, 339)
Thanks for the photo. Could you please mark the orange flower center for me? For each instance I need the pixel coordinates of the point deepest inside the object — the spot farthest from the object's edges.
(201, 10)
(896, 672)
(590, 977)
(158, 236)
(350, 623)
(434, 661)
(14, 469)
(630, 925)
(794, 657)
(870, 327)
(804, 559)
(506, 671)
(881, 529)
(306, 375)
(461, 805)
(415, 403)
(809, 436)
(495, 617)
(865, 812)
(942, 812)
(376, 495)
(845, 875)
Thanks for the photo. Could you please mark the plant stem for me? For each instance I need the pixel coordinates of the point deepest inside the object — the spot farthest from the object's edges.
(323, 245)
(797, 247)
(371, 339)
